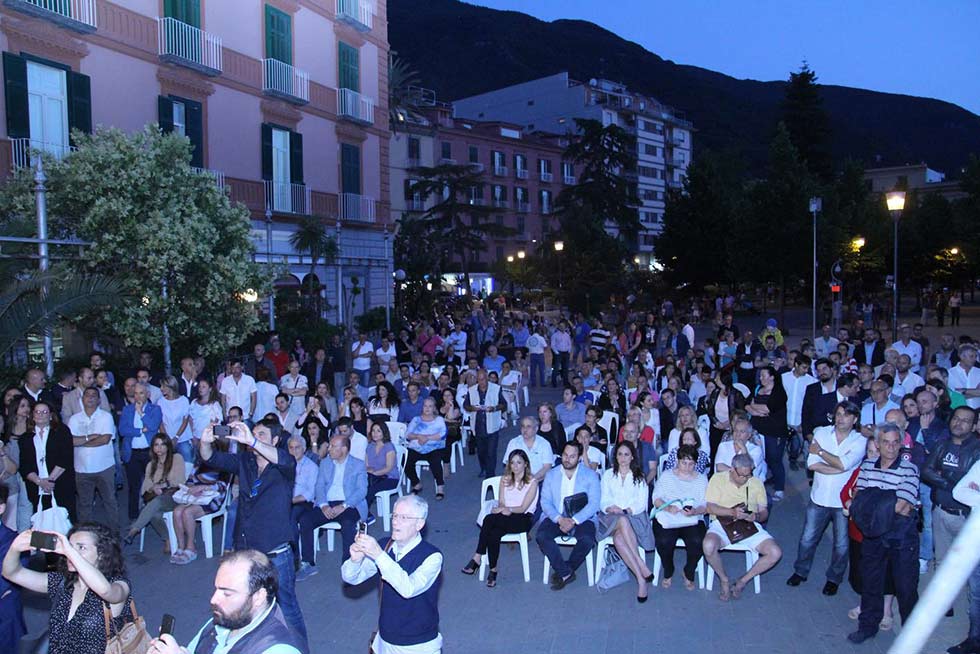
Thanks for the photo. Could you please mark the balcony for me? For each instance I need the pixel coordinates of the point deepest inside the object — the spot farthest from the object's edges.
(286, 197)
(446, 161)
(186, 45)
(356, 208)
(415, 204)
(413, 162)
(500, 203)
(675, 183)
(500, 171)
(523, 207)
(355, 107)
(24, 150)
(476, 166)
(284, 81)
(477, 202)
(546, 176)
(520, 173)
(359, 14)
(77, 15)
(568, 179)
(546, 209)
(216, 175)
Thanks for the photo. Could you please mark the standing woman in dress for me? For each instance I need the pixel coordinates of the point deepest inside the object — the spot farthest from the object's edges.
(47, 460)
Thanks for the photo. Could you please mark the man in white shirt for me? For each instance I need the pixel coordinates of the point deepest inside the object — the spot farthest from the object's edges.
(358, 441)
(905, 345)
(795, 382)
(238, 389)
(834, 452)
(964, 377)
(92, 433)
(361, 352)
(143, 377)
(285, 414)
(538, 450)
(385, 353)
(906, 381)
(874, 410)
(71, 403)
(826, 343)
(409, 568)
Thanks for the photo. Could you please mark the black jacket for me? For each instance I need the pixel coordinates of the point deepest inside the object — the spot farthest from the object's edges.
(873, 511)
(818, 407)
(877, 354)
(942, 476)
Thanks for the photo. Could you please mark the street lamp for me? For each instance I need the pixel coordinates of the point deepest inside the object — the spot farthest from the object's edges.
(559, 247)
(954, 251)
(857, 244)
(896, 204)
(521, 254)
(816, 204)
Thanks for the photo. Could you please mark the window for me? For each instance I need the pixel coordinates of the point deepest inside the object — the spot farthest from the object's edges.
(476, 196)
(499, 195)
(544, 197)
(499, 163)
(186, 11)
(568, 172)
(185, 117)
(544, 166)
(520, 163)
(521, 198)
(521, 224)
(474, 154)
(278, 35)
(652, 150)
(414, 151)
(350, 168)
(447, 150)
(349, 67)
(282, 167)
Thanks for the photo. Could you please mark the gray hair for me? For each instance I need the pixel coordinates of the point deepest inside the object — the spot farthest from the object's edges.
(418, 502)
(171, 382)
(743, 461)
(884, 428)
(298, 439)
(532, 419)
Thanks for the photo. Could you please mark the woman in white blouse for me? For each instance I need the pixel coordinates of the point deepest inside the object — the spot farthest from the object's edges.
(176, 412)
(680, 503)
(686, 418)
(205, 411)
(624, 514)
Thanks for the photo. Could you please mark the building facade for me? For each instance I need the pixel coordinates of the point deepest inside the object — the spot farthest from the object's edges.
(664, 139)
(919, 177)
(283, 101)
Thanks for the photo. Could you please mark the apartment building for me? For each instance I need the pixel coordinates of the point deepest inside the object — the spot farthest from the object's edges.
(522, 171)
(915, 177)
(284, 102)
(664, 139)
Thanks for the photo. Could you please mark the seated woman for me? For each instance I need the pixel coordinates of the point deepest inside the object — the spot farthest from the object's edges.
(164, 474)
(514, 513)
(317, 436)
(591, 456)
(740, 441)
(635, 415)
(451, 413)
(381, 460)
(624, 513)
(679, 498)
(550, 428)
(426, 438)
(600, 439)
(383, 406)
(205, 485)
(689, 436)
(686, 417)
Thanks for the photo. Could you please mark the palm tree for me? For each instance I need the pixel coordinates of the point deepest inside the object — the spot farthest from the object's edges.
(36, 301)
(403, 95)
(311, 237)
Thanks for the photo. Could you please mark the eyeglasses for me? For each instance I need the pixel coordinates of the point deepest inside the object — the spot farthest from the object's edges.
(403, 516)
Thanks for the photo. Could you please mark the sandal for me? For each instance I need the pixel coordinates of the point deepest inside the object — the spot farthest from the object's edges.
(440, 496)
(470, 567)
(726, 593)
(188, 557)
(688, 584)
(666, 582)
(416, 489)
(738, 588)
(854, 613)
(177, 556)
(886, 623)
(491, 579)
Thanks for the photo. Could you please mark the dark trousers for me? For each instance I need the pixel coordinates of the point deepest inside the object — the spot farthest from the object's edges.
(486, 454)
(666, 542)
(714, 440)
(313, 517)
(295, 512)
(775, 449)
(954, 316)
(496, 526)
(878, 561)
(135, 469)
(559, 368)
(584, 535)
(376, 485)
(433, 458)
(286, 597)
(537, 370)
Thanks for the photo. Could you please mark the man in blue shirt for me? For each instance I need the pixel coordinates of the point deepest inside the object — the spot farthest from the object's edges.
(493, 362)
(520, 334)
(411, 406)
(580, 341)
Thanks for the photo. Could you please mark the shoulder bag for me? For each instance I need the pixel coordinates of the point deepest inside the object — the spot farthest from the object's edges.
(131, 639)
(54, 519)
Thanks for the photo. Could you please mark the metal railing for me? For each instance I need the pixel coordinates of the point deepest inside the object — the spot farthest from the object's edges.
(500, 203)
(413, 162)
(353, 105)
(356, 207)
(523, 207)
(546, 176)
(186, 43)
(23, 151)
(568, 179)
(521, 173)
(358, 13)
(500, 171)
(77, 14)
(285, 81)
(446, 161)
(287, 197)
(476, 166)
(415, 204)
(477, 202)
(216, 175)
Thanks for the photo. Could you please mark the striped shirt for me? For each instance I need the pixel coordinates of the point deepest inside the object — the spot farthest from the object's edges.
(902, 477)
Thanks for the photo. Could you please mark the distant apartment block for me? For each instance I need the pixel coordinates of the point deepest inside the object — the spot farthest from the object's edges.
(664, 139)
(918, 177)
(283, 101)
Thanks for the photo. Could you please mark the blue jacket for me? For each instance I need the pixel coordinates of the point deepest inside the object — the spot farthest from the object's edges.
(152, 417)
(586, 481)
(355, 483)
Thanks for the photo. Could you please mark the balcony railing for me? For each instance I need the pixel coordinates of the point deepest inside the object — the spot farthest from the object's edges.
(357, 13)
(216, 175)
(354, 106)
(286, 197)
(356, 207)
(187, 45)
(476, 166)
(285, 81)
(78, 15)
(568, 179)
(500, 171)
(477, 202)
(23, 151)
(413, 162)
(415, 204)
(546, 176)
(446, 161)
(521, 173)
(500, 203)
(523, 207)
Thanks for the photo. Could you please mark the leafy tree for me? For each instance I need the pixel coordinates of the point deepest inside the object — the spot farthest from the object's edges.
(807, 122)
(403, 81)
(311, 238)
(154, 222)
(419, 261)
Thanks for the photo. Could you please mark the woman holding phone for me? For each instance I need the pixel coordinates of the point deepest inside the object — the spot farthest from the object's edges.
(680, 503)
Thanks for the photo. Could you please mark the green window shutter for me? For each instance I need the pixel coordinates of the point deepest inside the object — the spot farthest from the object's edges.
(295, 158)
(194, 129)
(186, 11)
(350, 168)
(278, 35)
(266, 151)
(79, 102)
(15, 93)
(349, 73)
(165, 114)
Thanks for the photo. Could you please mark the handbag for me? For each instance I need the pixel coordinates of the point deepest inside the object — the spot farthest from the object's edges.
(183, 496)
(614, 571)
(53, 520)
(738, 530)
(131, 639)
(574, 503)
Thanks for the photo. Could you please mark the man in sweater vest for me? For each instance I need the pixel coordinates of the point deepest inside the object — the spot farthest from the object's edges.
(245, 616)
(410, 573)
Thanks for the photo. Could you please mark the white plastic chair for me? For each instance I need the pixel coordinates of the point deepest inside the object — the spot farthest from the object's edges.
(492, 484)
(660, 465)
(397, 431)
(742, 388)
(383, 498)
(600, 555)
(602, 464)
(751, 556)
(594, 395)
(570, 541)
(606, 421)
(207, 527)
(331, 528)
(658, 564)
(570, 430)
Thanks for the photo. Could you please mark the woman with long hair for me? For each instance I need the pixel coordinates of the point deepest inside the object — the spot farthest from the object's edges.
(517, 499)
(768, 411)
(207, 483)
(624, 513)
(383, 405)
(18, 513)
(47, 459)
(381, 461)
(720, 406)
(205, 411)
(451, 413)
(164, 474)
(550, 429)
(317, 440)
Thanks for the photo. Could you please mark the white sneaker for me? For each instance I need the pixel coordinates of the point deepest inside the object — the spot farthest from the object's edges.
(923, 566)
(777, 496)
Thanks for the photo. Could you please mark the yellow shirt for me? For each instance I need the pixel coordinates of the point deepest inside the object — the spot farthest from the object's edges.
(724, 493)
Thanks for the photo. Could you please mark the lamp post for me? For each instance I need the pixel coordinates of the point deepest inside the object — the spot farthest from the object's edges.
(816, 204)
(520, 255)
(896, 204)
(387, 282)
(559, 247)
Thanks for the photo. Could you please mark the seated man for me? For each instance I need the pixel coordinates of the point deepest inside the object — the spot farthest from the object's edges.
(304, 489)
(739, 441)
(341, 496)
(738, 495)
(358, 441)
(538, 449)
(570, 479)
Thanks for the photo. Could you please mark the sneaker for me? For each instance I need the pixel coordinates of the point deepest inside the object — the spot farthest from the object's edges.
(306, 570)
(923, 566)
(370, 520)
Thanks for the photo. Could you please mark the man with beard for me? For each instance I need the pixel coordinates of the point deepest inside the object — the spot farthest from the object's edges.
(245, 615)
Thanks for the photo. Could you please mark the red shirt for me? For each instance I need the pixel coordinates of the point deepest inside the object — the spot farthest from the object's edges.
(280, 360)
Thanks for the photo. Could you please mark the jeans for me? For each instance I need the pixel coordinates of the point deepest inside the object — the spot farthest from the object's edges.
(878, 557)
(87, 483)
(775, 449)
(187, 452)
(135, 469)
(230, 521)
(365, 376)
(152, 514)
(585, 540)
(537, 366)
(285, 567)
(815, 523)
(926, 542)
(486, 453)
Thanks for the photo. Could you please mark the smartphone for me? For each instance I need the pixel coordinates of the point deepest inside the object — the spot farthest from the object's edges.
(43, 541)
(167, 624)
(362, 527)
(222, 431)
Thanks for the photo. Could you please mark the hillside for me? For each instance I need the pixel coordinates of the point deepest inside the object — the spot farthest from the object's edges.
(460, 50)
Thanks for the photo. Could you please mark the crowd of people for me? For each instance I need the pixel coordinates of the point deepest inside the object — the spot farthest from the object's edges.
(659, 441)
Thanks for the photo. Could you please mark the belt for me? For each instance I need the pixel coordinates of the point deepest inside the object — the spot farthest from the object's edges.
(960, 512)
